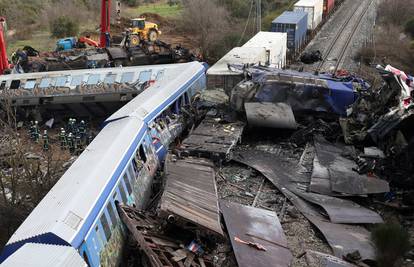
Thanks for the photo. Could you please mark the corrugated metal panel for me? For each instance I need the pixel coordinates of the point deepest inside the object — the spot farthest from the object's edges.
(238, 55)
(41, 255)
(314, 8)
(295, 25)
(274, 42)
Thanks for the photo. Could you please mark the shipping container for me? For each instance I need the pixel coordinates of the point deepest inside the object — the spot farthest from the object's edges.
(275, 44)
(328, 6)
(314, 8)
(219, 75)
(295, 25)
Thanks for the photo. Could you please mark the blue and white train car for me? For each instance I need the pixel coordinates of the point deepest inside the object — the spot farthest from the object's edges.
(78, 217)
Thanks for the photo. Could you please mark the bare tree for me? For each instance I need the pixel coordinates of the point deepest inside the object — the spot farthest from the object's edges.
(208, 21)
(396, 12)
(26, 172)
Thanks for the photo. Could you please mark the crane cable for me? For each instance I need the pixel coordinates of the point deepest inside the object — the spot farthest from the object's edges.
(247, 23)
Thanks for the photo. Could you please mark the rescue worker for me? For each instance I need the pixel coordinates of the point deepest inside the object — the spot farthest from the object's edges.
(45, 141)
(32, 131)
(82, 129)
(90, 139)
(36, 132)
(78, 145)
(71, 143)
(62, 138)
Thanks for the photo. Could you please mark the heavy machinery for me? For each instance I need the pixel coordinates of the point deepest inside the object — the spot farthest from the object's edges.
(143, 30)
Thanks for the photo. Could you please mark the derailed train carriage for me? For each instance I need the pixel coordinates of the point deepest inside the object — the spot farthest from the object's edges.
(76, 224)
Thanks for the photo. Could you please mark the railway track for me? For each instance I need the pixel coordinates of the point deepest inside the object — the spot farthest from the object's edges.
(340, 43)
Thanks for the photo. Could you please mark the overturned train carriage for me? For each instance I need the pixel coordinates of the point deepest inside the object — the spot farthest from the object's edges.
(92, 92)
(79, 213)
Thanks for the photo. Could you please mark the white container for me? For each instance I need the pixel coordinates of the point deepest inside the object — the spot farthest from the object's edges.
(275, 44)
(314, 8)
(238, 55)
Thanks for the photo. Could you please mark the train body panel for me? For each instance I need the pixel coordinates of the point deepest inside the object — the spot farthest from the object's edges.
(79, 212)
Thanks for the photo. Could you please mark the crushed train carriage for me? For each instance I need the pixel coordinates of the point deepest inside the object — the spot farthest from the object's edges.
(79, 213)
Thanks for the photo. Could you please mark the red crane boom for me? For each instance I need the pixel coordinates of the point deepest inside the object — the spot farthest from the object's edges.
(4, 60)
(105, 23)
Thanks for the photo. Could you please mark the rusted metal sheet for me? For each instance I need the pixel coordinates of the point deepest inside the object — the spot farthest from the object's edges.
(257, 226)
(341, 210)
(285, 174)
(190, 194)
(340, 172)
(342, 238)
(315, 258)
(213, 139)
(272, 115)
(351, 184)
(320, 180)
(269, 164)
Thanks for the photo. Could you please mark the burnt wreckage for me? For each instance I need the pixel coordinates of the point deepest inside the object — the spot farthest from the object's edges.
(147, 53)
(341, 188)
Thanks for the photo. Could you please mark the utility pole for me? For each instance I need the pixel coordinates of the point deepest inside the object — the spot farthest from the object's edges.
(259, 15)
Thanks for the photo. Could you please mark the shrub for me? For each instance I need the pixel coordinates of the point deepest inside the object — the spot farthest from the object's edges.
(64, 27)
(409, 27)
(131, 3)
(391, 242)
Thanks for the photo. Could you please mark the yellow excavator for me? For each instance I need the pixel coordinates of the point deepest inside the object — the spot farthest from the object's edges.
(143, 30)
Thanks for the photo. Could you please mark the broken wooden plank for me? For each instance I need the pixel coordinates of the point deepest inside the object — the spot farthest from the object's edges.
(213, 139)
(190, 194)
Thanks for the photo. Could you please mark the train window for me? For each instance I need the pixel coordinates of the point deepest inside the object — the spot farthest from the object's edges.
(98, 234)
(105, 225)
(186, 99)
(122, 191)
(131, 171)
(61, 81)
(111, 212)
(160, 74)
(15, 84)
(3, 85)
(145, 76)
(76, 80)
(115, 197)
(127, 183)
(142, 153)
(135, 165)
(45, 82)
(93, 79)
(30, 84)
(110, 78)
(127, 77)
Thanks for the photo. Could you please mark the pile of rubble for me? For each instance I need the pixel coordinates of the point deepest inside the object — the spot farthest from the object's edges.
(30, 60)
(316, 170)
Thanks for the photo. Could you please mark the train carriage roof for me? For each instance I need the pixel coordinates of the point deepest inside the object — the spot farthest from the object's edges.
(65, 209)
(41, 255)
(174, 82)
